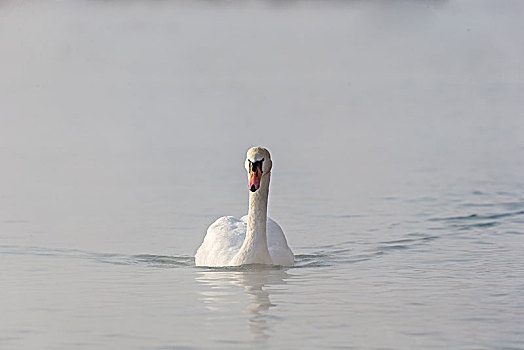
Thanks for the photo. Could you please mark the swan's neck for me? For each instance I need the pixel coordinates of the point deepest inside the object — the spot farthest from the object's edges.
(257, 216)
(254, 249)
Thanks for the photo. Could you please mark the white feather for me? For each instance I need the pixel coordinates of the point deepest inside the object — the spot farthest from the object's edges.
(225, 237)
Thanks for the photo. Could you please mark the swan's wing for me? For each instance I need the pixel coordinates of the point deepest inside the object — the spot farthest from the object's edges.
(280, 252)
(222, 241)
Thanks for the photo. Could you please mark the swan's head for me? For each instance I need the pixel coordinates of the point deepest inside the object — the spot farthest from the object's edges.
(258, 164)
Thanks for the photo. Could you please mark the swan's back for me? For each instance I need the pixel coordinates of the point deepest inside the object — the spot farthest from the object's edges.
(225, 237)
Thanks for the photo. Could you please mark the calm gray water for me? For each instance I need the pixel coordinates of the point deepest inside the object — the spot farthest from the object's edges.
(397, 136)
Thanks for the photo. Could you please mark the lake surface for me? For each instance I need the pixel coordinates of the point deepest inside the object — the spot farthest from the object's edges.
(397, 138)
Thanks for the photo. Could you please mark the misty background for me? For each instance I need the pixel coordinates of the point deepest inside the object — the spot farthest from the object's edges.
(99, 98)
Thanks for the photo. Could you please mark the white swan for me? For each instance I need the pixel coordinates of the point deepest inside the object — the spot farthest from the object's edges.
(255, 238)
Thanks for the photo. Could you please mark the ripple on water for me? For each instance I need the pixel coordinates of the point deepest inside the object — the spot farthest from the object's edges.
(478, 217)
(318, 259)
(164, 261)
(478, 221)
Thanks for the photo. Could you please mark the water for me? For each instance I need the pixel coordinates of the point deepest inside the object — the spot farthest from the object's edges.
(396, 133)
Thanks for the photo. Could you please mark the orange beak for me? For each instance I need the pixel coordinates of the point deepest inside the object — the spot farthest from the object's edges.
(254, 180)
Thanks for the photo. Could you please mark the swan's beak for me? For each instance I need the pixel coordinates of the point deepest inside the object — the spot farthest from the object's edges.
(254, 179)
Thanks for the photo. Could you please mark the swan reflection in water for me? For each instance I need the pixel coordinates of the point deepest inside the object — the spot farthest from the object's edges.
(220, 293)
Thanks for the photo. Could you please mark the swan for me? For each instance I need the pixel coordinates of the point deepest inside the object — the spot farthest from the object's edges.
(253, 239)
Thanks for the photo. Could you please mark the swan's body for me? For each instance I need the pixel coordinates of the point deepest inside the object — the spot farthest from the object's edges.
(225, 237)
(253, 239)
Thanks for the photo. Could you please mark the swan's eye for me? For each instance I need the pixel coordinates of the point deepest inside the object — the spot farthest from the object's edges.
(256, 165)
